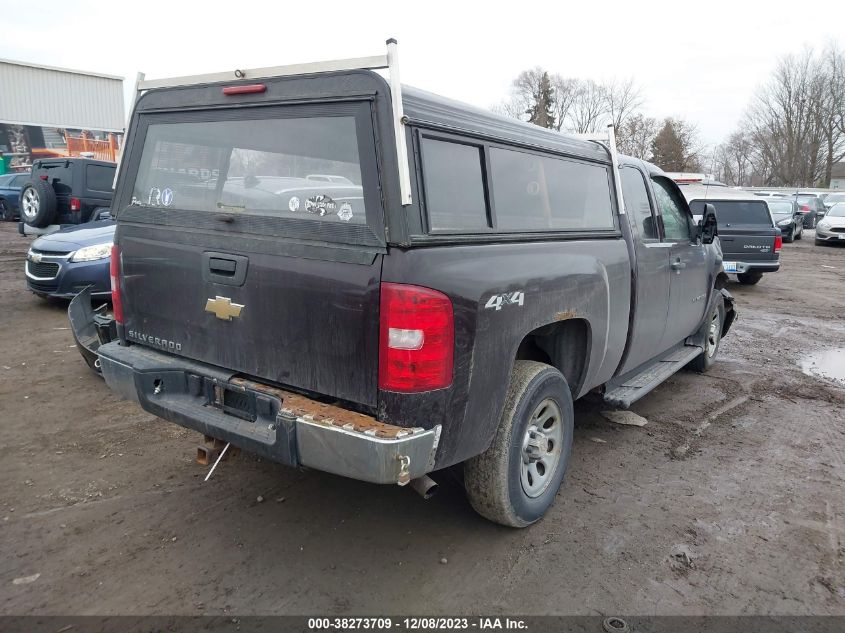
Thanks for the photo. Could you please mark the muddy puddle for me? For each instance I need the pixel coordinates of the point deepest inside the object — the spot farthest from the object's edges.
(828, 363)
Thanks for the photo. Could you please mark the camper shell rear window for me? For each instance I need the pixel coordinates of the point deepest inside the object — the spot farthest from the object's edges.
(294, 171)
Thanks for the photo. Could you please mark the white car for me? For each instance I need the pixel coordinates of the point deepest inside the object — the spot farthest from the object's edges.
(831, 228)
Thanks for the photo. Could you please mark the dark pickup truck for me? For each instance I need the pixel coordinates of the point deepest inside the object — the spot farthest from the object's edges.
(442, 301)
(751, 242)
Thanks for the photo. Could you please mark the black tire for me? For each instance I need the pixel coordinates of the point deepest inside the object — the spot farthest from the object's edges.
(494, 479)
(790, 237)
(38, 203)
(819, 242)
(6, 214)
(712, 339)
(749, 279)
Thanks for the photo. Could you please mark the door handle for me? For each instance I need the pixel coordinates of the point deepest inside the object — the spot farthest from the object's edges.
(220, 266)
(678, 265)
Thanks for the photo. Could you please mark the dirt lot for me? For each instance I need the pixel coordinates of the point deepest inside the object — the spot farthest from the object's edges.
(731, 500)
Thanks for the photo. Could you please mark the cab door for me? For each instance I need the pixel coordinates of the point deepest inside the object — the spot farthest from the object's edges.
(651, 295)
(687, 263)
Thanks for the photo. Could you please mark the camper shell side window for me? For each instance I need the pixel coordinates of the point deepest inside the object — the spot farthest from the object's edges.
(479, 187)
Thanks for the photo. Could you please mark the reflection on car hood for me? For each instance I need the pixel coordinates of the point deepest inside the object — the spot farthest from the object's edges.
(837, 221)
(71, 238)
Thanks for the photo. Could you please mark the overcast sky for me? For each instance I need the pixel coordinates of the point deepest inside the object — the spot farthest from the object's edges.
(698, 60)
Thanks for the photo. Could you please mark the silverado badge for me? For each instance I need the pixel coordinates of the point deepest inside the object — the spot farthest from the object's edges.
(223, 308)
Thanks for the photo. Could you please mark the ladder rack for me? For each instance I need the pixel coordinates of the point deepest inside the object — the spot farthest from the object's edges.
(607, 140)
(389, 61)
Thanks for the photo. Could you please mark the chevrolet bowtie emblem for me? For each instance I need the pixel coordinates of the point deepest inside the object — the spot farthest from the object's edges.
(223, 308)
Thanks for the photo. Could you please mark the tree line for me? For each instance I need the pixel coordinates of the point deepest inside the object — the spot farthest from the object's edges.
(793, 131)
(585, 106)
(791, 134)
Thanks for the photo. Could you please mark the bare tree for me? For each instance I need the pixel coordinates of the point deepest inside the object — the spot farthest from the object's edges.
(589, 107)
(831, 107)
(526, 88)
(622, 99)
(734, 160)
(635, 136)
(785, 123)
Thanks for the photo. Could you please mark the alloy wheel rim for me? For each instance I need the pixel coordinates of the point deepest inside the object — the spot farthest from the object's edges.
(30, 203)
(541, 448)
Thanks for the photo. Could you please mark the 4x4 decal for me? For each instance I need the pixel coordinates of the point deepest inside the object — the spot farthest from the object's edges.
(506, 298)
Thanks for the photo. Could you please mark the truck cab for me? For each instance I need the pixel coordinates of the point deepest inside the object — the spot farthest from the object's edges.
(339, 272)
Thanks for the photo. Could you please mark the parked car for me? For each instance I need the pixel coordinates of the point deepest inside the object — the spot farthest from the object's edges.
(61, 264)
(832, 198)
(832, 227)
(811, 206)
(10, 193)
(401, 328)
(63, 191)
(750, 241)
(787, 217)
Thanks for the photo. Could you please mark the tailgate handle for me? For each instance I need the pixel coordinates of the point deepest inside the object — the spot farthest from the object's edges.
(223, 268)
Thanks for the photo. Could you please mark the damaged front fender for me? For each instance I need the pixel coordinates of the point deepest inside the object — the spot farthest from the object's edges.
(730, 311)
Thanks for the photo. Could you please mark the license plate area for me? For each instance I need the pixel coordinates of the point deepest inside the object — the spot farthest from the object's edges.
(730, 267)
(235, 401)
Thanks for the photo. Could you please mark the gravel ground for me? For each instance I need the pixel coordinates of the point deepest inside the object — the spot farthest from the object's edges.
(729, 501)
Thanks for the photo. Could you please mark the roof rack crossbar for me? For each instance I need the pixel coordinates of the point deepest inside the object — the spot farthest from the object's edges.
(389, 61)
(607, 140)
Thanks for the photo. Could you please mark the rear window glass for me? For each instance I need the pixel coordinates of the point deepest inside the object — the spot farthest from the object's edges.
(264, 167)
(734, 212)
(99, 177)
(58, 175)
(454, 186)
(780, 208)
(533, 192)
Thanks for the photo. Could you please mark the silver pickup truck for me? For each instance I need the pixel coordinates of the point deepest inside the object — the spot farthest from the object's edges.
(441, 300)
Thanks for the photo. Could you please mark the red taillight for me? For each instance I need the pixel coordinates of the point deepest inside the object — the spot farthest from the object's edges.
(805, 207)
(75, 204)
(778, 243)
(416, 339)
(43, 177)
(114, 273)
(244, 90)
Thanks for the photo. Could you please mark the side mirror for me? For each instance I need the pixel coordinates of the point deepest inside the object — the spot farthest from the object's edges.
(707, 226)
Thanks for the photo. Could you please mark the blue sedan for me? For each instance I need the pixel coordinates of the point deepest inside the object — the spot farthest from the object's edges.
(61, 264)
(10, 194)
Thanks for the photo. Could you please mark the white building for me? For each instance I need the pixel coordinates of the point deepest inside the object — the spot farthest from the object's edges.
(837, 176)
(47, 111)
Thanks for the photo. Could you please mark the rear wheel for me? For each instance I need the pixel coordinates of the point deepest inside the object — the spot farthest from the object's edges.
(790, 237)
(749, 279)
(712, 330)
(6, 214)
(517, 478)
(38, 203)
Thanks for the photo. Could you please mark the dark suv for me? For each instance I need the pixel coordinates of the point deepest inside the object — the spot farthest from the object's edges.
(64, 191)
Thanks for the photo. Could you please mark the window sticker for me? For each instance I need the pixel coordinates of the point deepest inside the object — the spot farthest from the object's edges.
(345, 212)
(320, 204)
